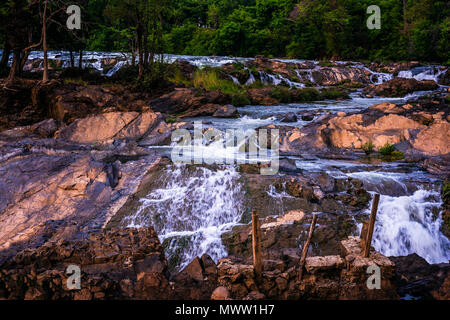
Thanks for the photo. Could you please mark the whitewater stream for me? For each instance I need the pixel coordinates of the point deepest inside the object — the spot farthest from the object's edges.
(192, 206)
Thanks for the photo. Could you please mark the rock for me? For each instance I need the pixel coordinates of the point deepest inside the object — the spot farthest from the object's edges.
(399, 87)
(289, 117)
(111, 125)
(417, 278)
(261, 96)
(308, 117)
(434, 139)
(228, 111)
(194, 270)
(316, 265)
(188, 100)
(220, 293)
(46, 128)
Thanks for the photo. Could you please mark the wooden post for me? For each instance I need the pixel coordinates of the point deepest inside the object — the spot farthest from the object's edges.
(373, 217)
(306, 246)
(256, 241)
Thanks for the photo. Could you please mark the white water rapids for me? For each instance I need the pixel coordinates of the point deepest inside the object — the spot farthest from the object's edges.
(190, 208)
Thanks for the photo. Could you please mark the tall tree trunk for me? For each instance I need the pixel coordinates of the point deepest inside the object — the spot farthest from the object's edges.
(44, 43)
(141, 55)
(14, 66)
(5, 56)
(80, 63)
(72, 59)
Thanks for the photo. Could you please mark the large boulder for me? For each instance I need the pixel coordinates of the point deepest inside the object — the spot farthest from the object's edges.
(399, 87)
(113, 125)
(183, 100)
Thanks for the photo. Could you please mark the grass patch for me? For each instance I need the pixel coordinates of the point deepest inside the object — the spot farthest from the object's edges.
(209, 80)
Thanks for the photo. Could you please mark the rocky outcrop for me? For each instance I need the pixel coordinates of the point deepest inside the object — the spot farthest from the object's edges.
(418, 128)
(117, 264)
(112, 125)
(398, 87)
(342, 276)
(188, 100)
(53, 188)
(416, 279)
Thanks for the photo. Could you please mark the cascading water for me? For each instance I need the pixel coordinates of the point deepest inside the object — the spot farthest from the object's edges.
(423, 73)
(190, 208)
(408, 224)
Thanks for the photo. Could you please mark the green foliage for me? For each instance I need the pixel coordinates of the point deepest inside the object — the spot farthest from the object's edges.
(333, 94)
(280, 93)
(387, 149)
(209, 80)
(368, 147)
(446, 191)
(397, 155)
(240, 100)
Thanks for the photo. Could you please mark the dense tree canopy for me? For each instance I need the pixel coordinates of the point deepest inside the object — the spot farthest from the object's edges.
(310, 29)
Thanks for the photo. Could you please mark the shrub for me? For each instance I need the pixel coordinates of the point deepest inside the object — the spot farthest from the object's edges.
(282, 94)
(333, 94)
(387, 149)
(307, 94)
(368, 147)
(397, 155)
(240, 100)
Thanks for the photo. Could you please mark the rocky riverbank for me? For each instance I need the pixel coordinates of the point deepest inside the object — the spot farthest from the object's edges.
(76, 160)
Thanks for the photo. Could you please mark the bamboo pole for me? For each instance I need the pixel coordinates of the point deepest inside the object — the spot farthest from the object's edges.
(373, 217)
(306, 246)
(256, 242)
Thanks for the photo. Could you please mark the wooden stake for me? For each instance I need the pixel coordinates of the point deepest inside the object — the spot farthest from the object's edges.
(306, 246)
(256, 241)
(373, 217)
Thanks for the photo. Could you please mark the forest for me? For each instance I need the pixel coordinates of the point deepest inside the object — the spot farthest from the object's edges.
(309, 29)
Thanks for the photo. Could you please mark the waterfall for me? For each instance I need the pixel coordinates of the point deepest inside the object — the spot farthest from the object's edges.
(407, 225)
(423, 73)
(190, 208)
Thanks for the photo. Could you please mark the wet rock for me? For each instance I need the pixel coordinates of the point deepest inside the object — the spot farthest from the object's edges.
(289, 117)
(228, 111)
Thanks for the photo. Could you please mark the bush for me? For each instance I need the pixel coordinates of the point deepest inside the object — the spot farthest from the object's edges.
(240, 100)
(387, 149)
(368, 147)
(397, 155)
(282, 94)
(307, 94)
(333, 94)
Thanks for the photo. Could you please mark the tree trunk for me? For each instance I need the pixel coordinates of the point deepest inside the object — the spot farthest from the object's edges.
(141, 55)
(5, 56)
(44, 43)
(80, 63)
(72, 59)
(14, 66)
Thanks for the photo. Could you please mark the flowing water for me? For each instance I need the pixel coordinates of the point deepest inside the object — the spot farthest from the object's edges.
(199, 208)
(191, 206)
